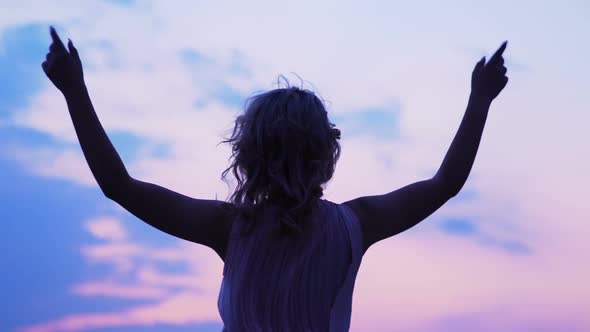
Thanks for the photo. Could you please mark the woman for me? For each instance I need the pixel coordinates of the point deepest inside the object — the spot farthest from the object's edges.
(290, 257)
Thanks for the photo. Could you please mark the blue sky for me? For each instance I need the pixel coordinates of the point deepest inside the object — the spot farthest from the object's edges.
(167, 81)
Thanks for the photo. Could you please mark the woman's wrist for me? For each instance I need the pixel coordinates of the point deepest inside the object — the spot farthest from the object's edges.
(74, 90)
(480, 98)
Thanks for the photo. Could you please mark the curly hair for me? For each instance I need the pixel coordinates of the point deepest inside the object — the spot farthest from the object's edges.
(284, 149)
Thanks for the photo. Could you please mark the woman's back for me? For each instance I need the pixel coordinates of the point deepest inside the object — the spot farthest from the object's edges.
(280, 283)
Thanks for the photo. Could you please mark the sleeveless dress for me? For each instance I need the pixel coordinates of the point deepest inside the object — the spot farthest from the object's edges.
(277, 283)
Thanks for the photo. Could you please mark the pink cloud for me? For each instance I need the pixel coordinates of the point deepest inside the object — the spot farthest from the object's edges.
(151, 276)
(119, 290)
(180, 298)
(180, 309)
(106, 229)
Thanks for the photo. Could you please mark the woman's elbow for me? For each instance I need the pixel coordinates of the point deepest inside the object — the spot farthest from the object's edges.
(113, 189)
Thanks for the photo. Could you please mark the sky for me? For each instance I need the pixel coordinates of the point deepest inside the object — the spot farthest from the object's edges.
(510, 252)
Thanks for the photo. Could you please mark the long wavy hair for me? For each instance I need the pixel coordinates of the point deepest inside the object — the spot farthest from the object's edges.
(284, 149)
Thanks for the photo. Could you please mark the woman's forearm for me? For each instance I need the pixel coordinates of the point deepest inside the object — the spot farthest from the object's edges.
(103, 160)
(459, 159)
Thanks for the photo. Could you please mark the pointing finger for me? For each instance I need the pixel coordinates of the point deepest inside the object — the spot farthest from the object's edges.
(498, 54)
(54, 47)
(56, 40)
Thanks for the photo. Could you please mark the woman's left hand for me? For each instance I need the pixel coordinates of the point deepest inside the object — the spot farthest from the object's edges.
(488, 79)
(63, 68)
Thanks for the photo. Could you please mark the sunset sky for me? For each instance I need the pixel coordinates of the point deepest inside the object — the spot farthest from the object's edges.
(509, 253)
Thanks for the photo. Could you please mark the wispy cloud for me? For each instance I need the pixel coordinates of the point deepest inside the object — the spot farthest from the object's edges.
(380, 122)
(468, 228)
(63, 164)
(22, 49)
(119, 290)
(106, 229)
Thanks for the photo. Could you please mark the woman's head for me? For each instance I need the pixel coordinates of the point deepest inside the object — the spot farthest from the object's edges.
(284, 149)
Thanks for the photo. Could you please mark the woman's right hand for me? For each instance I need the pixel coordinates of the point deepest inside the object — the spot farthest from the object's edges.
(488, 79)
(63, 68)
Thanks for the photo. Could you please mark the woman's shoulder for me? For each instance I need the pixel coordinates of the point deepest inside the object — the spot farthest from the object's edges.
(344, 208)
(351, 221)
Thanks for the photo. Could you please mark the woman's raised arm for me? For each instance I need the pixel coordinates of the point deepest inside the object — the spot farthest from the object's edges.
(201, 221)
(64, 69)
(382, 216)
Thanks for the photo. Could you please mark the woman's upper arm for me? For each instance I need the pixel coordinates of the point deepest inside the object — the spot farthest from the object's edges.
(201, 221)
(382, 216)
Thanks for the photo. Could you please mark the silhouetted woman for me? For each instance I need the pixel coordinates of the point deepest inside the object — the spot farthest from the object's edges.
(290, 257)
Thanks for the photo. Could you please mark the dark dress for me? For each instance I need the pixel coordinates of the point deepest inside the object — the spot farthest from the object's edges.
(277, 283)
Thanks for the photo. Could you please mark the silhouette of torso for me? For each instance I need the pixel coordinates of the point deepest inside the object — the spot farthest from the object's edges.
(279, 283)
